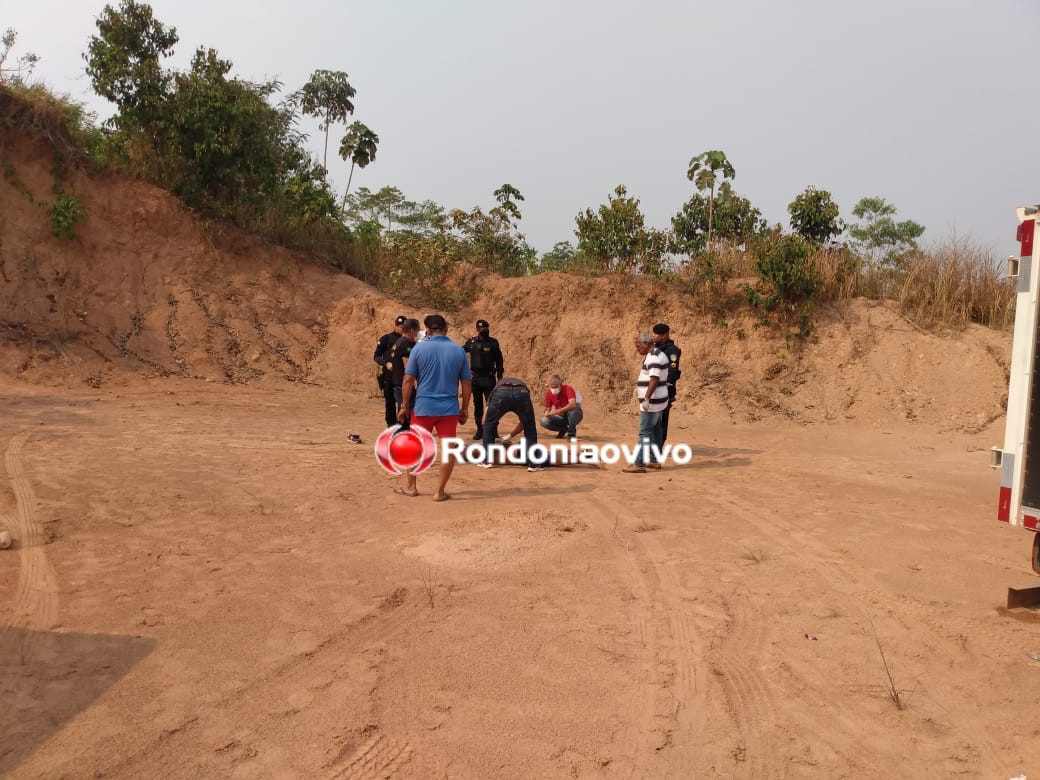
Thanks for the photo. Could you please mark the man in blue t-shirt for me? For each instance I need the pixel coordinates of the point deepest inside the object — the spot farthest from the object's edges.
(436, 368)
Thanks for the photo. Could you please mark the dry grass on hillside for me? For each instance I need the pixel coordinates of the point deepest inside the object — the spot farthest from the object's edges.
(945, 288)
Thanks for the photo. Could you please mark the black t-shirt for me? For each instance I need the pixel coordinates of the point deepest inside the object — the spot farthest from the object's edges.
(398, 352)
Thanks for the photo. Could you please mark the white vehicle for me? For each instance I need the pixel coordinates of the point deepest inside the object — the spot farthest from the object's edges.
(1019, 460)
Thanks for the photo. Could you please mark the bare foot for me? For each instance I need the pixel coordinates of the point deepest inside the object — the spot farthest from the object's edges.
(402, 492)
(441, 497)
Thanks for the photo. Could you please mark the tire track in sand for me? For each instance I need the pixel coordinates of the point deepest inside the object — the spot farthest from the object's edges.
(638, 742)
(376, 758)
(35, 601)
(856, 585)
(687, 651)
(747, 692)
(311, 670)
(669, 642)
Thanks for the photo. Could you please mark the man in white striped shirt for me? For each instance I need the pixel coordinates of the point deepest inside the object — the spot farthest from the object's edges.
(652, 392)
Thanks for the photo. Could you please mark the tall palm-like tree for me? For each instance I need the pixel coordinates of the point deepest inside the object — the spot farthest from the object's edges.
(358, 146)
(506, 195)
(704, 173)
(327, 96)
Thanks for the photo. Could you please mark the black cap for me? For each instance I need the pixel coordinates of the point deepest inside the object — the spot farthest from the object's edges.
(400, 320)
(660, 329)
(483, 324)
(435, 322)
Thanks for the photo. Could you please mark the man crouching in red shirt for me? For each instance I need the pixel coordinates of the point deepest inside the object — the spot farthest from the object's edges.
(562, 409)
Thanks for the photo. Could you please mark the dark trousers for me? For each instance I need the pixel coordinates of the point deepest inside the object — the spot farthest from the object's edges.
(519, 403)
(482, 387)
(662, 426)
(388, 398)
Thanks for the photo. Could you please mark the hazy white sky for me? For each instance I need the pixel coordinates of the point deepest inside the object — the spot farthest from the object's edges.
(932, 105)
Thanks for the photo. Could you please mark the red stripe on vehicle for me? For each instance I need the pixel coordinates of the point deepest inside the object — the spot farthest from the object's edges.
(1025, 235)
(1004, 507)
(1030, 522)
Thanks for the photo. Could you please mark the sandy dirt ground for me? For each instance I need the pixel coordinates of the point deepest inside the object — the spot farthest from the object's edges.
(212, 582)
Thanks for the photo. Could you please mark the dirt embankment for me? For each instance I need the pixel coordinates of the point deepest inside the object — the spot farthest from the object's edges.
(146, 288)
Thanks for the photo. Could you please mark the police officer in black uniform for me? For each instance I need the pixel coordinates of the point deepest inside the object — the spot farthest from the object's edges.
(663, 341)
(485, 361)
(384, 375)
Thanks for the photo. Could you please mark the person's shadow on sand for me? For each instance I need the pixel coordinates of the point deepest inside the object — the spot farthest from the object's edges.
(49, 677)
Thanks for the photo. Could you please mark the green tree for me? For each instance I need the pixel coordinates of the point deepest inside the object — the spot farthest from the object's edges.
(788, 280)
(814, 216)
(878, 236)
(358, 146)
(385, 207)
(214, 140)
(327, 95)
(506, 195)
(489, 241)
(123, 64)
(22, 67)
(616, 236)
(785, 265)
(735, 219)
(425, 219)
(366, 212)
(703, 171)
(559, 257)
(226, 149)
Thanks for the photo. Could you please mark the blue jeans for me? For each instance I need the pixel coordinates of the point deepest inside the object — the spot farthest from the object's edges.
(399, 398)
(564, 422)
(518, 402)
(649, 434)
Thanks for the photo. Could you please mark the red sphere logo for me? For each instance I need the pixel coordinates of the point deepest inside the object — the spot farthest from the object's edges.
(409, 450)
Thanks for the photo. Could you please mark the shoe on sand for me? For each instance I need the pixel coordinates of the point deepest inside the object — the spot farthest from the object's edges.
(536, 468)
(634, 470)
(653, 465)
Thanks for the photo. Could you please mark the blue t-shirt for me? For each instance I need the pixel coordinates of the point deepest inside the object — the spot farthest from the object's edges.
(437, 363)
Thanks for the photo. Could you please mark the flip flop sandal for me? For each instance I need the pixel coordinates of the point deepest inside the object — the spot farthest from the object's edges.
(354, 438)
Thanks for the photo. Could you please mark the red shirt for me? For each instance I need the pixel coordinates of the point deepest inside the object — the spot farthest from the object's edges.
(553, 401)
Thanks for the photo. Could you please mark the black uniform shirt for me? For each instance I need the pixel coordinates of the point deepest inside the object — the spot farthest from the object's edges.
(673, 353)
(382, 354)
(485, 356)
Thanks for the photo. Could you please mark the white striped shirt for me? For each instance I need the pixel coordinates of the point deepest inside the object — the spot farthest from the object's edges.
(655, 364)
